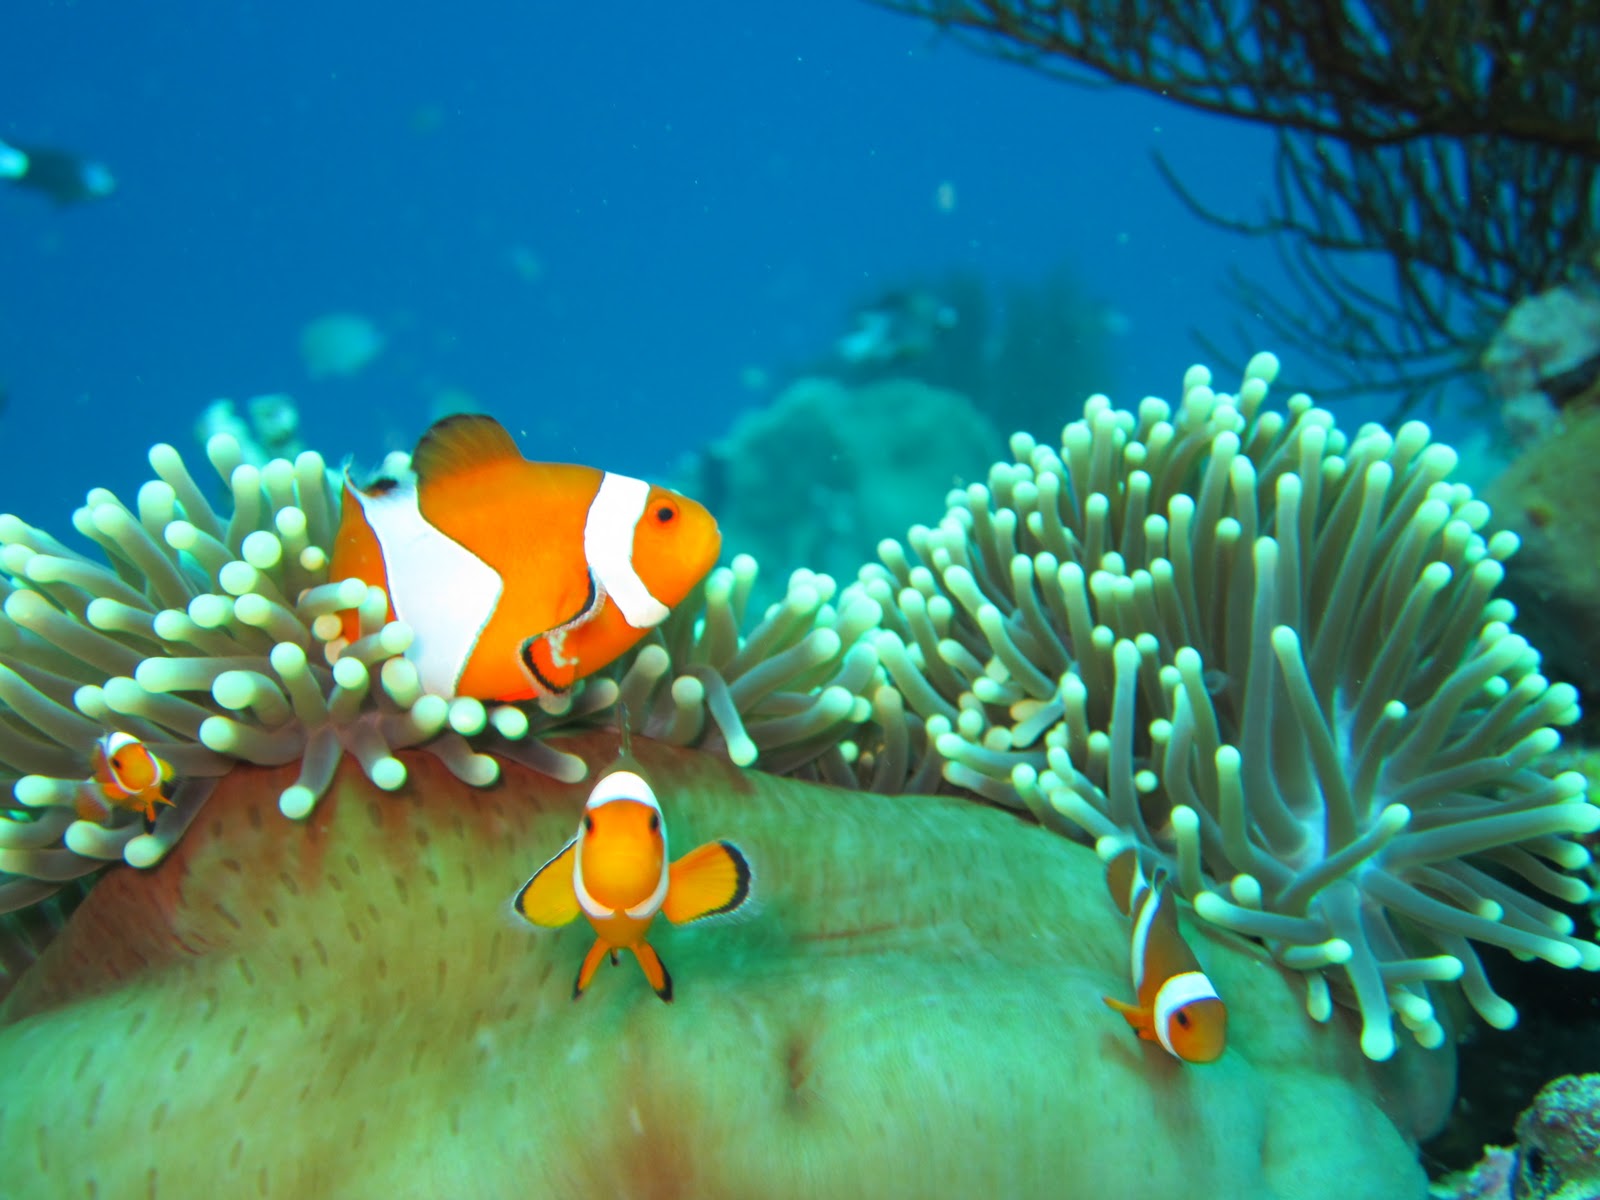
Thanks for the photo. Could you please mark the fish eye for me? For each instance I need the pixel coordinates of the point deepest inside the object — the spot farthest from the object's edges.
(588, 822)
(655, 822)
(666, 512)
(1182, 1018)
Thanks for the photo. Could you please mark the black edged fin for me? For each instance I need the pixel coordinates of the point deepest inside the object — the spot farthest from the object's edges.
(711, 880)
(530, 664)
(526, 651)
(655, 971)
(741, 891)
(548, 899)
(460, 443)
(591, 961)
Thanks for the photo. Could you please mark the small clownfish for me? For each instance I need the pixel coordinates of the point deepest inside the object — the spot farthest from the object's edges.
(615, 872)
(126, 775)
(1176, 1004)
(518, 578)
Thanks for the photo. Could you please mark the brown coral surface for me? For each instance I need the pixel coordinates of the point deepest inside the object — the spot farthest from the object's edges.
(1550, 497)
(347, 1007)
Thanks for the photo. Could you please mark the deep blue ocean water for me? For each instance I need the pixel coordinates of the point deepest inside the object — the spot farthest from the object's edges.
(593, 222)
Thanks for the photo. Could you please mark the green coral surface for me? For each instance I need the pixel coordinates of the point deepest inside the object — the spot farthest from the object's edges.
(347, 1007)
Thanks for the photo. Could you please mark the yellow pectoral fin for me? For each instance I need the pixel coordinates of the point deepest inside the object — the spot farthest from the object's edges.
(548, 898)
(707, 881)
(168, 781)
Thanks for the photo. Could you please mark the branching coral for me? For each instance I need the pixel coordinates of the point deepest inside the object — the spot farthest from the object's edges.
(1271, 652)
(1458, 141)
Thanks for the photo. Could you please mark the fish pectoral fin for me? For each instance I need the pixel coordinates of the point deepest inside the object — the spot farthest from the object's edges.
(654, 970)
(706, 882)
(168, 781)
(550, 672)
(1132, 1014)
(591, 963)
(543, 655)
(548, 898)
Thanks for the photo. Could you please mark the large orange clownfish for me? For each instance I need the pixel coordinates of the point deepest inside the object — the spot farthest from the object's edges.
(518, 578)
(616, 873)
(1175, 1003)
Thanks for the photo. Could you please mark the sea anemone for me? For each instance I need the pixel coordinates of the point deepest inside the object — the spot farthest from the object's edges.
(786, 695)
(205, 636)
(216, 640)
(1270, 652)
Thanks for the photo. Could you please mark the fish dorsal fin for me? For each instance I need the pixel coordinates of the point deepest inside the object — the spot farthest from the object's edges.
(1126, 880)
(460, 444)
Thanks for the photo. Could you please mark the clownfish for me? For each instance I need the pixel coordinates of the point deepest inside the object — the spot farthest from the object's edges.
(1175, 1002)
(518, 578)
(126, 774)
(615, 872)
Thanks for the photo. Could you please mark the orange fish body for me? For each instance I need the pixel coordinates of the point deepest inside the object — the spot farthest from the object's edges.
(1175, 1002)
(126, 774)
(518, 578)
(615, 872)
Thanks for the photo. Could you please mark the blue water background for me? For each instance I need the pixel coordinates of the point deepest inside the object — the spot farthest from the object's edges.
(703, 188)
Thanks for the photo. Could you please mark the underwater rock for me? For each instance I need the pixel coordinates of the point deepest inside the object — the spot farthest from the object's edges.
(1558, 1142)
(819, 476)
(347, 1007)
(1545, 357)
(1557, 1155)
(1550, 497)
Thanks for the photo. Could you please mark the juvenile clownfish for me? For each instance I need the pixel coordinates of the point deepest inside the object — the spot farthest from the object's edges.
(518, 578)
(615, 872)
(1176, 1004)
(126, 774)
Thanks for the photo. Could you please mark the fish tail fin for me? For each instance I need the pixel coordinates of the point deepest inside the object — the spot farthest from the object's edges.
(708, 881)
(591, 963)
(654, 970)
